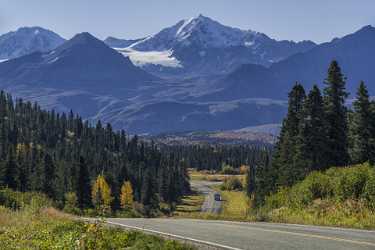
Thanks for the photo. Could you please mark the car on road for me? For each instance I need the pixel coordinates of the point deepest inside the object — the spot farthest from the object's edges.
(217, 197)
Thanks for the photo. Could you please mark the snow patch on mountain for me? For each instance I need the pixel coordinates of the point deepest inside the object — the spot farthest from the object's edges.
(141, 58)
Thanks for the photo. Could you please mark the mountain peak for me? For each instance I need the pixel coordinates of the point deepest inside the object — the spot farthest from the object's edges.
(27, 40)
(201, 17)
(200, 31)
(84, 37)
(36, 30)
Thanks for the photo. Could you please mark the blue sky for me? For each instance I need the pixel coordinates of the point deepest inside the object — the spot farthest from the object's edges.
(318, 20)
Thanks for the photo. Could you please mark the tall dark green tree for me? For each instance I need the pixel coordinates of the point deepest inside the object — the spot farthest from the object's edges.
(49, 176)
(11, 172)
(336, 116)
(149, 196)
(312, 152)
(83, 188)
(250, 181)
(362, 127)
(283, 160)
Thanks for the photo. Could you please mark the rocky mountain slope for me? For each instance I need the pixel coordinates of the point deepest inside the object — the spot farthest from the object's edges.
(27, 40)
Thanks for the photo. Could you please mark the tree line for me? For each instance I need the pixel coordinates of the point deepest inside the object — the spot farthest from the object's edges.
(58, 154)
(319, 132)
(214, 157)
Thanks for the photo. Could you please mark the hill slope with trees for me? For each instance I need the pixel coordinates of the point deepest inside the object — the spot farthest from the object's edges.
(61, 155)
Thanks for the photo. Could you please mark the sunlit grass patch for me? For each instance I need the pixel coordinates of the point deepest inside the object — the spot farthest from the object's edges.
(236, 205)
(189, 205)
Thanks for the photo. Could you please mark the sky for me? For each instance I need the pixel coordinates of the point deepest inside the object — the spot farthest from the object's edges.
(317, 20)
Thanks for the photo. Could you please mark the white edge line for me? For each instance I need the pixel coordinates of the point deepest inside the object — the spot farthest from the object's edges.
(321, 227)
(175, 236)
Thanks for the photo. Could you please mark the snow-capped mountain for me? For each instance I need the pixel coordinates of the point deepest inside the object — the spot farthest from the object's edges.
(27, 40)
(201, 31)
(86, 75)
(83, 63)
(202, 46)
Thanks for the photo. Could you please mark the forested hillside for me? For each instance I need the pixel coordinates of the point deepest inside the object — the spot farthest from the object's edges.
(60, 154)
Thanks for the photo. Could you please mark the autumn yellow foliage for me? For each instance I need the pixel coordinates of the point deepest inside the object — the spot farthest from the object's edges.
(101, 195)
(126, 197)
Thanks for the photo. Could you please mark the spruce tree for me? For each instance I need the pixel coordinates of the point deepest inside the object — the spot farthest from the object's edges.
(362, 127)
(283, 161)
(11, 172)
(149, 197)
(336, 116)
(311, 151)
(83, 186)
(49, 176)
(250, 181)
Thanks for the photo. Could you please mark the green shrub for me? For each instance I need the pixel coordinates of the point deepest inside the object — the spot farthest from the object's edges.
(227, 169)
(352, 181)
(232, 184)
(338, 196)
(369, 191)
(17, 200)
(336, 184)
(71, 203)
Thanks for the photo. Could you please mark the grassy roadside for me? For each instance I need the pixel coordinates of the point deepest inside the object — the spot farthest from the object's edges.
(236, 206)
(34, 226)
(343, 197)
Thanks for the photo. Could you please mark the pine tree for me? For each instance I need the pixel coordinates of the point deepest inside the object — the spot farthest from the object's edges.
(250, 181)
(283, 161)
(362, 127)
(311, 151)
(149, 197)
(11, 172)
(49, 176)
(83, 185)
(336, 116)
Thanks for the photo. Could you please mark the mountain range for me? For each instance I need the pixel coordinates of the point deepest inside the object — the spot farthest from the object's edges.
(354, 52)
(202, 46)
(195, 75)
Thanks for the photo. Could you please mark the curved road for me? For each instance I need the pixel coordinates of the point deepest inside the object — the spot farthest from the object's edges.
(210, 205)
(254, 236)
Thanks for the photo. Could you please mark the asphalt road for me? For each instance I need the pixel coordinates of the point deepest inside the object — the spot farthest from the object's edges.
(210, 205)
(256, 236)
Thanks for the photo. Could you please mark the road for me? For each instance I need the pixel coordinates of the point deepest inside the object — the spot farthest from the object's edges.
(256, 236)
(210, 205)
